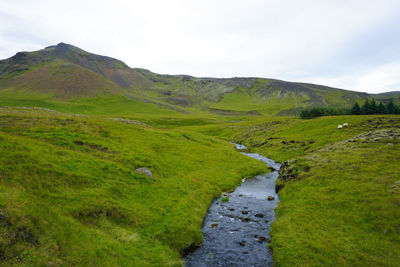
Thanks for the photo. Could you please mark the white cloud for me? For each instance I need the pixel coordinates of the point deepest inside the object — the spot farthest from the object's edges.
(292, 40)
(383, 78)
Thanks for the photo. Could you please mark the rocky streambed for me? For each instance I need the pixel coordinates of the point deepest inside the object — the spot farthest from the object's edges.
(237, 225)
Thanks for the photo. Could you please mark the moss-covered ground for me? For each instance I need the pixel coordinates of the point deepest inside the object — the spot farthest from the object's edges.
(343, 205)
(340, 189)
(69, 193)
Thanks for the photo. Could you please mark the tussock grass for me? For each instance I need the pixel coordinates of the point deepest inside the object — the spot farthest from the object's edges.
(344, 210)
(69, 193)
(339, 200)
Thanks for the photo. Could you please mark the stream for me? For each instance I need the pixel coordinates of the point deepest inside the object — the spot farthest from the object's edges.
(236, 232)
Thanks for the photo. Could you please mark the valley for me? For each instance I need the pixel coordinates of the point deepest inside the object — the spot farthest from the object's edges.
(76, 128)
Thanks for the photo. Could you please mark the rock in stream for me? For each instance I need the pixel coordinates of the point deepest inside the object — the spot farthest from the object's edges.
(236, 232)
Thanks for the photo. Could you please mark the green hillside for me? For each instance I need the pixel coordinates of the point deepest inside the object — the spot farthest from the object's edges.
(62, 80)
(66, 72)
(70, 194)
(76, 129)
(111, 69)
(339, 189)
(266, 96)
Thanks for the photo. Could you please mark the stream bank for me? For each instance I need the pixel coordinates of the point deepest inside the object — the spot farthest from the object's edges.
(237, 225)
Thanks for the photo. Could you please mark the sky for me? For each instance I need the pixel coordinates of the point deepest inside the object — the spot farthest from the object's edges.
(350, 44)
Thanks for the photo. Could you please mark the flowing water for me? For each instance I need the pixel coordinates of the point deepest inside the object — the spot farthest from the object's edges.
(236, 232)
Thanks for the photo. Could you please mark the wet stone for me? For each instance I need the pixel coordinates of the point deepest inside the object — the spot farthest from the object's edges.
(259, 215)
(262, 239)
(145, 171)
(78, 143)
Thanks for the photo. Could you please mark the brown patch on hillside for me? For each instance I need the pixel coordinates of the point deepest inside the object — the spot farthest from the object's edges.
(63, 80)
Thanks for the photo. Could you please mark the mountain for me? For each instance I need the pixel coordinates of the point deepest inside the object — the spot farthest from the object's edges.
(384, 97)
(246, 94)
(389, 94)
(68, 72)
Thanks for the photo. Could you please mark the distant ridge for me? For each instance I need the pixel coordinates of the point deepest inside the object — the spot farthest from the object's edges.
(66, 71)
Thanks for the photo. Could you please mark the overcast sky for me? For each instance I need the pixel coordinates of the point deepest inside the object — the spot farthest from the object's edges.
(351, 44)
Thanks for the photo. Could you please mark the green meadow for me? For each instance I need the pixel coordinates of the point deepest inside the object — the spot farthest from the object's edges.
(76, 129)
(101, 105)
(70, 195)
(342, 206)
(339, 189)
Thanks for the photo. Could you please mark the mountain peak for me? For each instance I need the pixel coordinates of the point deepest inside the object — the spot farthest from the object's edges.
(110, 68)
(59, 45)
(65, 46)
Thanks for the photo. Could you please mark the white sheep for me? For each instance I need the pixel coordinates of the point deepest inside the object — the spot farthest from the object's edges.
(340, 126)
(345, 124)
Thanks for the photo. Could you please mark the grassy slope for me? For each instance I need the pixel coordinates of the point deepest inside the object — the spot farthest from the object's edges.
(266, 96)
(102, 226)
(242, 101)
(341, 206)
(344, 209)
(69, 193)
(101, 105)
(62, 80)
(276, 103)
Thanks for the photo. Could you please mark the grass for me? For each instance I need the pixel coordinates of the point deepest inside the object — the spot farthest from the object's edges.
(242, 101)
(107, 105)
(283, 138)
(69, 194)
(343, 210)
(225, 199)
(62, 80)
(267, 96)
(339, 196)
